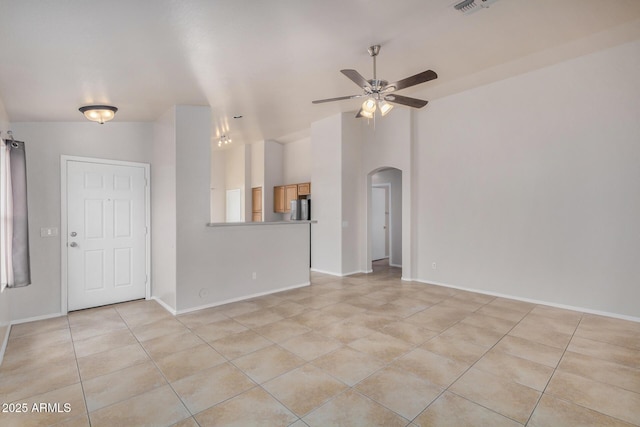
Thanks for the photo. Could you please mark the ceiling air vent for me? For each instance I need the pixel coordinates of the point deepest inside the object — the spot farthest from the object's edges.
(467, 7)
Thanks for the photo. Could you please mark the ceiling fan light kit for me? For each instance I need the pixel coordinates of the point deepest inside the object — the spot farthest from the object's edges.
(378, 92)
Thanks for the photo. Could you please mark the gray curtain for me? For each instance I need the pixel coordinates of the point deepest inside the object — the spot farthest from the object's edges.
(21, 265)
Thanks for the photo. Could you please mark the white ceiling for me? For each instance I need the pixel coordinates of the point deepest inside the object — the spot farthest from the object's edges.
(267, 60)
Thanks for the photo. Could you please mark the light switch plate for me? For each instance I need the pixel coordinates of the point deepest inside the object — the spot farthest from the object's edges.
(48, 232)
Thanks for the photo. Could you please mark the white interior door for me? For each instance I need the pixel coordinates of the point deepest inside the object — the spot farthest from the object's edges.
(106, 234)
(378, 223)
(234, 205)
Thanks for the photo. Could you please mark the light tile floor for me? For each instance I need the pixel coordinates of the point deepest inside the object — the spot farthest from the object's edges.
(363, 350)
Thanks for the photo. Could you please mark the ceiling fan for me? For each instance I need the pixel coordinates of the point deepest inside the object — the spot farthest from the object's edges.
(380, 93)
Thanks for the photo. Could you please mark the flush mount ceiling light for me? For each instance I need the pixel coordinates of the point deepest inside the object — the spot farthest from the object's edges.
(224, 140)
(99, 113)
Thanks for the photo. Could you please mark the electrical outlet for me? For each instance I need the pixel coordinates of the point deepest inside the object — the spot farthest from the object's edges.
(434, 266)
(254, 276)
(48, 232)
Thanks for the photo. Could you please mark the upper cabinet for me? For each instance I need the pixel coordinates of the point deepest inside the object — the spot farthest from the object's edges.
(284, 194)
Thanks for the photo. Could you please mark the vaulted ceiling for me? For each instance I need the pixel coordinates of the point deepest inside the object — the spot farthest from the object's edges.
(267, 60)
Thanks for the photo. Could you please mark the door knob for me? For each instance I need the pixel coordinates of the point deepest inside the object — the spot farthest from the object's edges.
(73, 244)
(74, 234)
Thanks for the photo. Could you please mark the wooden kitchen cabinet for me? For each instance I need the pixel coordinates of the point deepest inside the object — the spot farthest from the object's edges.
(256, 204)
(304, 189)
(278, 199)
(290, 193)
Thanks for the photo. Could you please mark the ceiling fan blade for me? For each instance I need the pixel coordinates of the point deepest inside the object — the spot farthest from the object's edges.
(422, 77)
(359, 113)
(356, 77)
(340, 98)
(405, 100)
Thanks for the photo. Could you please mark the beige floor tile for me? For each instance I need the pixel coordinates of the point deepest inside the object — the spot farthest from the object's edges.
(473, 296)
(601, 370)
(372, 321)
(311, 345)
(258, 318)
(555, 412)
(354, 410)
(400, 391)
(88, 330)
(238, 308)
(364, 302)
(397, 310)
(267, 301)
(167, 344)
(485, 321)
(510, 399)
(268, 363)
(252, 408)
(431, 367)
(511, 304)
(408, 332)
(143, 313)
(317, 301)
(623, 333)
(600, 397)
(566, 316)
(121, 385)
(345, 331)
(502, 312)
(93, 316)
(187, 362)
(473, 334)
(217, 330)
(521, 371)
(452, 410)
(40, 341)
(438, 318)
(58, 354)
(111, 360)
(35, 381)
(201, 317)
(566, 325)
(348, 365)
(79, 421)
(158, 407)
(157, 329)
(188, 422)
(605, 351)
(211, 386)
(540, 334)
(461, 303)
(536, 352)
(342, 310)
(282, 330)
(288, 308)
(100, 343)
(304, 389)
(38, 415)
(315, 319)
(239, 344)
(39, 327)
(455, 349)
(382, 346)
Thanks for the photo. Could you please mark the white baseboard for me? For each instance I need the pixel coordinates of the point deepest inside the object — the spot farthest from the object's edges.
(5, 341)
(228, 301)
(164, 305)
(330, 273)
(395, 265)
(533, 301)
(36, 318)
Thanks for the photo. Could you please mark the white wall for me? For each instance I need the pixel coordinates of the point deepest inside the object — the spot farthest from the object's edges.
(44, 144)
(297, 161)
(163, 209)
(393, 177)
(272, 177)
(352, 209)
(5, 312)
(257, 164)
(326, 206)
(529, 186)
(218, 190)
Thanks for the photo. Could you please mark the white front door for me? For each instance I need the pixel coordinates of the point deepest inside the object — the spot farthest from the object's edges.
(106, 234)
(378, 223)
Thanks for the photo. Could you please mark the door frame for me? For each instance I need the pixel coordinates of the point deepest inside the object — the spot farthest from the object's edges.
(388, 235)
(64, 234)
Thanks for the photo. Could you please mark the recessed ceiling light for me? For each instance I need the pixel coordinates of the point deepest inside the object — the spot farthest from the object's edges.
(238, 116)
